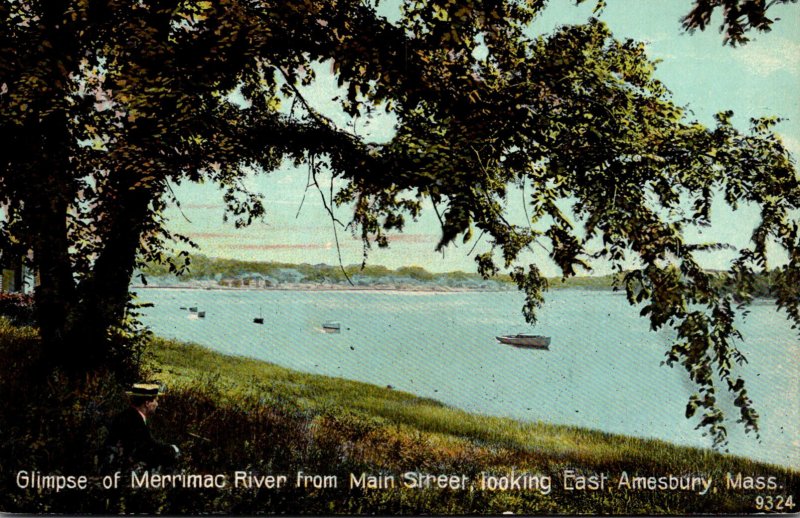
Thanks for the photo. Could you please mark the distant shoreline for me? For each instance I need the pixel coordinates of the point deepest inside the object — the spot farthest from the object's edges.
(398, 287)
(327, 287)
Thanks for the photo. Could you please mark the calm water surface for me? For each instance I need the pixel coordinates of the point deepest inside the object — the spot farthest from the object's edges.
(602, 370)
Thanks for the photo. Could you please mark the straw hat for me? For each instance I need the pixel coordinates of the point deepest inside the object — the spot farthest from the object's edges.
(144, 390)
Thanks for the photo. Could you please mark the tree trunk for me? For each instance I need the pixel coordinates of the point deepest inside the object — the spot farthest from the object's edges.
(47, 192)
(39, 167)
(55, 295)
(104, 295)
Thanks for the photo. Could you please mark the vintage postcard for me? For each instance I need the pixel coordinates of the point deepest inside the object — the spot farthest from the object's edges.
(399, 257)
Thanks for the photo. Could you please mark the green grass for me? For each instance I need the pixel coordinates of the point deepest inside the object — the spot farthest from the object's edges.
(511, 443)
(231, 413)
(182, 364)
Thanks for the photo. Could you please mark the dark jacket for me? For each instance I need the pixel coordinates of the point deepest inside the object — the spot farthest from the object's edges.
(131, 443)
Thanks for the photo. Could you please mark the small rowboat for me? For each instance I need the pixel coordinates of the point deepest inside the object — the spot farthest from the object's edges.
(331, 327)
(526, 341)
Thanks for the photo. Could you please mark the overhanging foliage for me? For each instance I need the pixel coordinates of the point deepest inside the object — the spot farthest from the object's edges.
(104, 106)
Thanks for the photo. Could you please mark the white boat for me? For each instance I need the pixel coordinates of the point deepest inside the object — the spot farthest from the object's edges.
(331, 327)
(526, 341)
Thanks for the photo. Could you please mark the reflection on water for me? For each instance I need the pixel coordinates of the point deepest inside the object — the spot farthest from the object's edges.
(602, 370)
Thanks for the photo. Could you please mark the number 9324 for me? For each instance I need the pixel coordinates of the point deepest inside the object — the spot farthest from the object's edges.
(774, 503)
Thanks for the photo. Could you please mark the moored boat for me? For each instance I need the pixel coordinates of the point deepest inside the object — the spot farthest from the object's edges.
(526, 341)
(331, 327)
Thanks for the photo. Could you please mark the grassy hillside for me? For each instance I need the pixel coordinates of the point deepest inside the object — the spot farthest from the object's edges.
(234, 414)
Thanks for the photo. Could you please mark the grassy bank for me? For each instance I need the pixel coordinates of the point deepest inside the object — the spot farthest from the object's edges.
(233, 414)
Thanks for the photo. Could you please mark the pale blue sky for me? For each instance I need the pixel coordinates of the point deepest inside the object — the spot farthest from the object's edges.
(759, 79)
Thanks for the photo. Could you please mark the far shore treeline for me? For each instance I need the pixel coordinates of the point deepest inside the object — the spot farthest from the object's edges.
(234, 273)
(238, 273)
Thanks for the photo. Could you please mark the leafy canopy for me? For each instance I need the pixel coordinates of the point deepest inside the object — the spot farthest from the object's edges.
(107, 105)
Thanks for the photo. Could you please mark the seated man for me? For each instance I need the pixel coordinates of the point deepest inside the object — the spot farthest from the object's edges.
(129, 436)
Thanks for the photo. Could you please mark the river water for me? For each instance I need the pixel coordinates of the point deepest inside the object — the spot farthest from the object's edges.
(602, 370)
